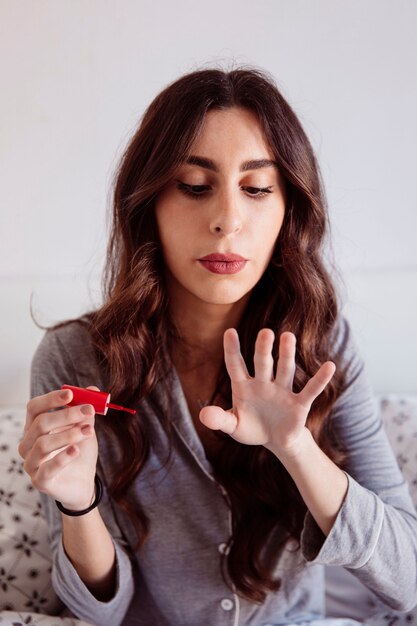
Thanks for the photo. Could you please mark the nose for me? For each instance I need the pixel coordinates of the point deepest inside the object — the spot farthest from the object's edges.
(226, 218)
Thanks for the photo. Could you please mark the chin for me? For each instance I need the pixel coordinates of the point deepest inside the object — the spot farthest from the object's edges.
(222, 296)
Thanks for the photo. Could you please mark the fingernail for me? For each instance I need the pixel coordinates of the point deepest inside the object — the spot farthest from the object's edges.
(64, 395)
(87, 409)
(86, 430)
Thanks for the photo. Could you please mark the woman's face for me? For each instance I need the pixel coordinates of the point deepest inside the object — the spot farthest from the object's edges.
(227, 199)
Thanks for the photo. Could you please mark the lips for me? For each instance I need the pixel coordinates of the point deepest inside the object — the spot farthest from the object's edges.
(223, 263)
(222, 258)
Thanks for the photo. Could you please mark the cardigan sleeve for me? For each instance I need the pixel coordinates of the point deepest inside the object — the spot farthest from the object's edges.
(374, 535)
(52, 366)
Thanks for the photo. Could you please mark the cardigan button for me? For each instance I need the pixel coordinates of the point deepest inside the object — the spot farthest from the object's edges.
(226, 604)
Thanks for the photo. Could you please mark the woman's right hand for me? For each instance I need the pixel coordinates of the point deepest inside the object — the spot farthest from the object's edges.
(59, 448)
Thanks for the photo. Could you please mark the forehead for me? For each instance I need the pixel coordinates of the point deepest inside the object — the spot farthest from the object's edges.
(234, 131)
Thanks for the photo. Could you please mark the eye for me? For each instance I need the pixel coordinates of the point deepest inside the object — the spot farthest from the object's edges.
(197, 191)
(257, 192)
(192, 190)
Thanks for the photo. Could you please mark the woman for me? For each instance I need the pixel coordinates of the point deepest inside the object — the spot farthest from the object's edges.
(256, 455)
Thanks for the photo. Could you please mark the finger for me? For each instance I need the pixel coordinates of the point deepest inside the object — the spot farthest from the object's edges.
(286, 361)
(49, 470)
(46, 402)
(263, 359)
(317, 383)
(235, 363)
(56, 421)
(216, 418)
(48, 445)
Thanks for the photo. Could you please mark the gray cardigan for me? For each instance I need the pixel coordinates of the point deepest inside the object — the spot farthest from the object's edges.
(175, 579)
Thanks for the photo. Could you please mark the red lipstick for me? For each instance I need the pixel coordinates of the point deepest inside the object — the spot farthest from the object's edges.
(223, 263)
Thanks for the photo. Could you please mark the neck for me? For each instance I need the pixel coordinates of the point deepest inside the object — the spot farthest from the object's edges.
(200, 328)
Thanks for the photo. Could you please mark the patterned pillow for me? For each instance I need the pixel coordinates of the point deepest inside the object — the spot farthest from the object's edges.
(25, 558)
(10, 618)
(399, 414)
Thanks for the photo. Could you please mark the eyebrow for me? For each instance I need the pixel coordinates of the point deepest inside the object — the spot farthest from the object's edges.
(208, 164)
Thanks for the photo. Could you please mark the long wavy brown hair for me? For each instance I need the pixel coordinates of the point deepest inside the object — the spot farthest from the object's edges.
(133, 334)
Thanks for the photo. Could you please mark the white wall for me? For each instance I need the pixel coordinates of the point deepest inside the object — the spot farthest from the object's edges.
(76, 75)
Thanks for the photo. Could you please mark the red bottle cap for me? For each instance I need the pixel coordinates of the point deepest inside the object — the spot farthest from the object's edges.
(99, 399)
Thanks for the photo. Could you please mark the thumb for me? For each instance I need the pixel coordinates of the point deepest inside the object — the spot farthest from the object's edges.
(217, 418)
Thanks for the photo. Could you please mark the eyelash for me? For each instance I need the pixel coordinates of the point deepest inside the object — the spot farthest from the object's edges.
(189, 190)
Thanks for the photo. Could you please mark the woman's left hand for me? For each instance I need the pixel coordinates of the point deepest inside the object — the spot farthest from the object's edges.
(265, 410)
